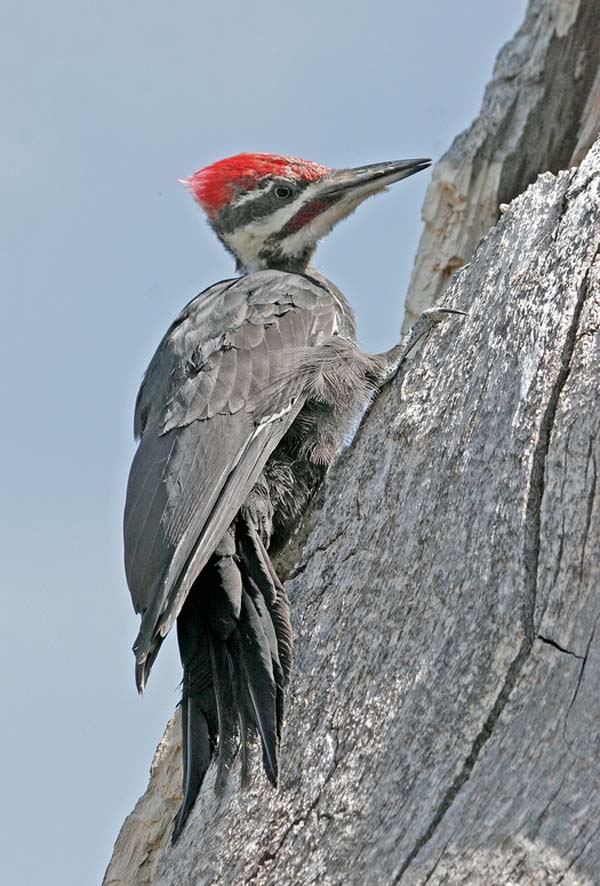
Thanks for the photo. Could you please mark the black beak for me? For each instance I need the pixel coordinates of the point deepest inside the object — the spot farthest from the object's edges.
(369, 179)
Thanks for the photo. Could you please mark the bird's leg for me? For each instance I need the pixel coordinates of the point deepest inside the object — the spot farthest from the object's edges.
(392, 360)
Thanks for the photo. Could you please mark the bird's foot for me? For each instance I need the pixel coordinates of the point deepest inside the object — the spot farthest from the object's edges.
(422, 327)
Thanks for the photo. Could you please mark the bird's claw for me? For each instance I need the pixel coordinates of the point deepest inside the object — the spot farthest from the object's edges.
(428, 319)
(437, 315)
(423, 325)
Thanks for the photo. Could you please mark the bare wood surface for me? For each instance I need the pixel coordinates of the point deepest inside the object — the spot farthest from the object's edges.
(145, 832)
(541, 111)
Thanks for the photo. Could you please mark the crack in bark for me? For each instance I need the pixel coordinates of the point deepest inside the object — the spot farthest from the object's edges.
(319, 549)
(463, 776)
(589, 510)
(560, 648)
(578, 686)
(532, 556)
(435, 867)
(538, 469)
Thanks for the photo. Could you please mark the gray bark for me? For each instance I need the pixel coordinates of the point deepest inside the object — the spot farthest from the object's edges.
(541, 111)
(443, 724)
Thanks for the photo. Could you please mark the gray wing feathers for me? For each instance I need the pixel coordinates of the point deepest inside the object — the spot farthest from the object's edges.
(164, 502)
(185, 523)
(195, 372)
(218, 396)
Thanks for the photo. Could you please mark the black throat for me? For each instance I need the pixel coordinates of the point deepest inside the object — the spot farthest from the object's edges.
(273, 258)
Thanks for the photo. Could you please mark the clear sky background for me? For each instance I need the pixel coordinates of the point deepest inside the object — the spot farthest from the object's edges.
(105, 105)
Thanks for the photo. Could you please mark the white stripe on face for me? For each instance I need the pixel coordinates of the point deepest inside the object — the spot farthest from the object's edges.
(247, 241)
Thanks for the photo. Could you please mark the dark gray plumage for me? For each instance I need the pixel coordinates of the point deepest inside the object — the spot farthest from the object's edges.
(216, 401)
(244, 405)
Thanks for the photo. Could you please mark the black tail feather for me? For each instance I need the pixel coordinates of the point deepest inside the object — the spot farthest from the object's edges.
(223, 688)
(235, 642)
(259, 567)
(268, 627)
(244, 749)
(197, 752)
(254, 654)
(199, 706)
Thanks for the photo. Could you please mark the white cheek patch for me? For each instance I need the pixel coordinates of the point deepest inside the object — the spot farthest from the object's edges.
(246, 246)
(247, 242)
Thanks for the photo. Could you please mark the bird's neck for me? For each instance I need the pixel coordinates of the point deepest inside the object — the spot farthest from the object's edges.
(253, 253)
(267, 261)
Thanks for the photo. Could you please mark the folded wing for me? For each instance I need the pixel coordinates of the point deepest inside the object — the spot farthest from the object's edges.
(221, 391)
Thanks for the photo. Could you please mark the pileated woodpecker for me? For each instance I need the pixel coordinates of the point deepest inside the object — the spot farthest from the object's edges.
(244, 405)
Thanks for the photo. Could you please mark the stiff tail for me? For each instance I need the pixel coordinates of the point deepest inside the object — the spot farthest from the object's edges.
(235, 641)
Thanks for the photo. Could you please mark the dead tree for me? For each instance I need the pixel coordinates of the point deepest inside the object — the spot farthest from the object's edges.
(540, 113)
(444, 721)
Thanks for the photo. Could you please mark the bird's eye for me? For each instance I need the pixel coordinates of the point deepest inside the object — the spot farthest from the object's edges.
(283, 192)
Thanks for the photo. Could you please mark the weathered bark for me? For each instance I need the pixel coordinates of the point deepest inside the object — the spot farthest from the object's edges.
(145, 831)
(443, 724)
(541, 111)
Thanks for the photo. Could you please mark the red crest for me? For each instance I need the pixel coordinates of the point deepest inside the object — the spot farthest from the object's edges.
(216, 185)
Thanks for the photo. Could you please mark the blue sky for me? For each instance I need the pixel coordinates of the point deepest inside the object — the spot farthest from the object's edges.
(105, 105)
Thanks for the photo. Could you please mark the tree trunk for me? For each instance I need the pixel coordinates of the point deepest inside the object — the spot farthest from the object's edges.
(540, 112)
(443, 723)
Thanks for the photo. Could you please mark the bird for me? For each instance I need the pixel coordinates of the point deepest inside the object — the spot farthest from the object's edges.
(244, 406)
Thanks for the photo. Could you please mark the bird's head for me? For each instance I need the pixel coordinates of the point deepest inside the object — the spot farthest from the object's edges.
(271, 211)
